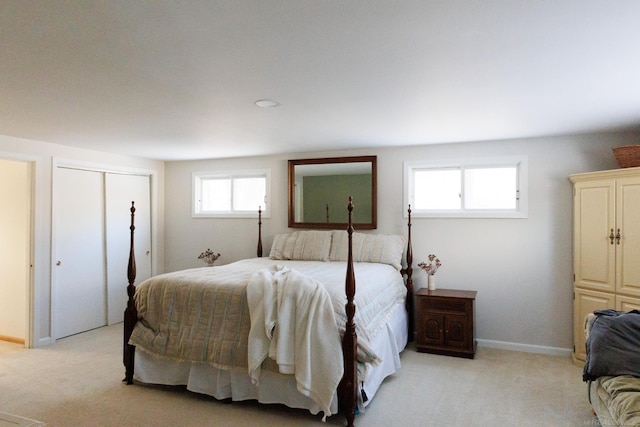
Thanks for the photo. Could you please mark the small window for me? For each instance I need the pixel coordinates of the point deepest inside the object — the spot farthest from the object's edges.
(479, 188)
(231, 194)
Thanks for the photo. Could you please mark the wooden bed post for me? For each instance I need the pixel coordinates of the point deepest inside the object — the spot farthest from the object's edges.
(130, 313)
(409, 272)
(259, 232)
(348, 388)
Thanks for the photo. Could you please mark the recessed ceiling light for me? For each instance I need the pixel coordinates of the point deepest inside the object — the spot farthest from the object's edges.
(267, 103)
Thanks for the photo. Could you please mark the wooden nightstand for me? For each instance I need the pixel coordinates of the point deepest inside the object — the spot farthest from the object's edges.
(445, 322)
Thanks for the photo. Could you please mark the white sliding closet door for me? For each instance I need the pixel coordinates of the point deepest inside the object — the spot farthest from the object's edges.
(80, 273)
(92, 219)
(121, 190)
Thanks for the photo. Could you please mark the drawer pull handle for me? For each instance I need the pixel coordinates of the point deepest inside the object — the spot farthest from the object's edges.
(611, 236)
(618, 237)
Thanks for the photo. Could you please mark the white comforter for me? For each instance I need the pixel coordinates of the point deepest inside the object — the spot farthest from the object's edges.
(293, 323)
(176, 308)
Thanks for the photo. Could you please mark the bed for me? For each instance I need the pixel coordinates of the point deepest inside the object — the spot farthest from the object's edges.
(279, 329)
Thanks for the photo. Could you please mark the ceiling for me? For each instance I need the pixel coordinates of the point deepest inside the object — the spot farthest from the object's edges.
(174, 80)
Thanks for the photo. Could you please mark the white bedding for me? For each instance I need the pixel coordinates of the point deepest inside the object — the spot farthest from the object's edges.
(293, 323)
(380, 291)
(274, 387)
(378, 288)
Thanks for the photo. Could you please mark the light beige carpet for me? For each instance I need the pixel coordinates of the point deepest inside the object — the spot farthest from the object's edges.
(10, 420)
(77, 382)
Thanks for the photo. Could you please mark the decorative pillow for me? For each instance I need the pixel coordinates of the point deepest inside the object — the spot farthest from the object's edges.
(308, 245)
(277, 248)
(380, 248)
(612, 345)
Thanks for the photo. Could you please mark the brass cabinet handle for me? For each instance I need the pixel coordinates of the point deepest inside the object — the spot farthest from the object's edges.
(618, 236)
(611, 236)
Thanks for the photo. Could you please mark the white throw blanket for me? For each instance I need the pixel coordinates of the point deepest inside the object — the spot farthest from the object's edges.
(292, 322)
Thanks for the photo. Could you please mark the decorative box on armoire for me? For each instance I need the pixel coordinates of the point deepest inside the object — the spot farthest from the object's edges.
(445, 322)
(606, 246)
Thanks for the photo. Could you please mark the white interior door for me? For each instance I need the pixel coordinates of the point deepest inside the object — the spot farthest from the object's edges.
(121, 190)
(80, 273)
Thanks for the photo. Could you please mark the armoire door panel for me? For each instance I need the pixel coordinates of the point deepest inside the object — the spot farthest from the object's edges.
(594, 236)
(624, 303)
(585, 302)
(628, 224)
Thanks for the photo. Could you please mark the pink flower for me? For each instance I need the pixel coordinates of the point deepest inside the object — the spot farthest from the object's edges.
(431, 266)
(209, 257)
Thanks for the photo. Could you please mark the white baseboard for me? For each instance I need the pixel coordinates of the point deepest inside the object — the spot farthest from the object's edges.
(527, 348)
(44, 342)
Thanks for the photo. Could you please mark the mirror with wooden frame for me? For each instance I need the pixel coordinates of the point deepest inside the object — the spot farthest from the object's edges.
(319, 191)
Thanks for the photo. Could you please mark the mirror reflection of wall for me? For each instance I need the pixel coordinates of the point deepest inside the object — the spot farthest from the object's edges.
(325, 197)
(320, 188)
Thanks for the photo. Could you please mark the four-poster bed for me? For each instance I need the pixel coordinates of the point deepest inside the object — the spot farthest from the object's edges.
(388, 308)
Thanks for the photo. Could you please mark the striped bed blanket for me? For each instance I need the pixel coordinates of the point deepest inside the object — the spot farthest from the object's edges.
(202, 315)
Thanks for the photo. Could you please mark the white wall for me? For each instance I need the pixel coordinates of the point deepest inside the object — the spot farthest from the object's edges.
(44, 155)
(521, 268)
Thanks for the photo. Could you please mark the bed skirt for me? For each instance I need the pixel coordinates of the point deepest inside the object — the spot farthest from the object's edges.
(274, 387)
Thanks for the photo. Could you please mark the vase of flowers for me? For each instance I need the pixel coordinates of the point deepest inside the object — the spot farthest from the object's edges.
(430, 267)
(209, 257)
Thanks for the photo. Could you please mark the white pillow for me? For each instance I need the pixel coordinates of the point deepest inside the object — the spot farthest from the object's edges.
(339, 242)
(277, 248)
(310, 245)
(307, 245)
(380, 248)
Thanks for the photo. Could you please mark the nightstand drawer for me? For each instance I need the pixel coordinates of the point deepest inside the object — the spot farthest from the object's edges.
(448, 305)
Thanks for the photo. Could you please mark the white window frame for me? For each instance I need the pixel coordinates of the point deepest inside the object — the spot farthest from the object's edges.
(197, 177)
(522, 204)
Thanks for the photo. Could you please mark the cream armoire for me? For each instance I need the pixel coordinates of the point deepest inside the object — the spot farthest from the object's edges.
(606, 246)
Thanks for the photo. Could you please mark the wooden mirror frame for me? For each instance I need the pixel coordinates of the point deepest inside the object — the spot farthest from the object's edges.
(335, 160)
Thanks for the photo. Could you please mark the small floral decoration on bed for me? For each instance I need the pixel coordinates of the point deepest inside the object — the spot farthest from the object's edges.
(431, 266)
(209, 257)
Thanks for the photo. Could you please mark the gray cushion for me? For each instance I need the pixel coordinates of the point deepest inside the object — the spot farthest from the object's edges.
(613, 345)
